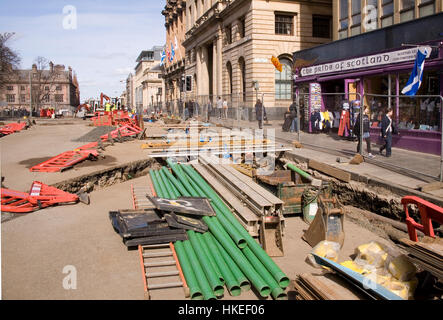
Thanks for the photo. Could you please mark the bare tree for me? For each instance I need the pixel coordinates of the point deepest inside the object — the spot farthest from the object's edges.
(43, 82)
(9, 59)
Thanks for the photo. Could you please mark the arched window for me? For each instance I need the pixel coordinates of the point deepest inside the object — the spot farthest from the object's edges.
(283, 81)
(229, 69)
(242, 67)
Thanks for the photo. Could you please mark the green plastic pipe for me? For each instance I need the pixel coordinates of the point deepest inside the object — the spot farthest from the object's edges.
(213, 279)
(191, 280)
(179, 173)
(235, 235)
(170, 184)
(245, 285)
(207, 292)
(276, 291)
(169, 190)
(210, 256)
(162, 193)
(231, 283)
(262, 287)
(270, 265)
(154, 181)
(178, 185)
(299, 171)
(218, 231)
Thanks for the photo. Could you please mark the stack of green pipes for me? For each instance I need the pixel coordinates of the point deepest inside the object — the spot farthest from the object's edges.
(226, 254)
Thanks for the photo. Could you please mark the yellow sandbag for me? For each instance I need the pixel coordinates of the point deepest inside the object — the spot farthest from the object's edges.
(401, 268)
(325, 249)
(372, 253)
(404, 289)
(353, 266)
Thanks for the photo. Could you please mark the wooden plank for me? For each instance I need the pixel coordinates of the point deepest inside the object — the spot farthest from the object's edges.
(331, 287)
(431, 186)
(330, 171)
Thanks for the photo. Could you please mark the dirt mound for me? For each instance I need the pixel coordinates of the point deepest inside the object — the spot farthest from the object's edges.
(95, 134)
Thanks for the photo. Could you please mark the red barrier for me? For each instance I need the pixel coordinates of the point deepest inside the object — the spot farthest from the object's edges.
(428, 212)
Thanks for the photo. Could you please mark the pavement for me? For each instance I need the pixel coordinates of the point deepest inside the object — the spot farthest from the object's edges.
(327, 146)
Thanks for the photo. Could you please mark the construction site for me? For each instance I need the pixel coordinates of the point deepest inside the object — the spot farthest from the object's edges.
(120, 207)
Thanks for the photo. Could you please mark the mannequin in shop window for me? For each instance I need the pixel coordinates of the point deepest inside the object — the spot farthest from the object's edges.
(327, 122)
(345, 122)
(315, 120)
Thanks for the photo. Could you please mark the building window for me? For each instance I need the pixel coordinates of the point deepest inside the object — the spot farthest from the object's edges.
(242, 27)
(321, 26)
(46, 88)
(228, 32)
(46, 99)
(58, 88)
(284, 24)
(188, 83)
(426, 8)
(229, 68)
(23, 88)
(387, 18)
(242, 67)
(10, 88)
(343, 27)
(58, 98)
(283, 81)
(10, 98)
(356, 17)
(22, 98)
(407, 11)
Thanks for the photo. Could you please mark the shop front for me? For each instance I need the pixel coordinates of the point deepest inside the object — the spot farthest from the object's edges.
(376, 81)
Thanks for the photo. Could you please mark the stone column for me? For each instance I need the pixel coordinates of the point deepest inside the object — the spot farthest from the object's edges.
(215, 71)
(219, 62)
(198, 67)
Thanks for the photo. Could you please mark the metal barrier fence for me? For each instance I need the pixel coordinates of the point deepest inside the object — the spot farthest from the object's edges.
(241, 113)
(13, 113)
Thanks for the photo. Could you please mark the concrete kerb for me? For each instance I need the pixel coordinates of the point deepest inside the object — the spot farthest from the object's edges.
(107, 177)
(396, 189)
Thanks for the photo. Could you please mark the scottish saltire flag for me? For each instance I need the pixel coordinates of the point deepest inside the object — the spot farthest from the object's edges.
(172, 52)
(163, 58)
(416, 77)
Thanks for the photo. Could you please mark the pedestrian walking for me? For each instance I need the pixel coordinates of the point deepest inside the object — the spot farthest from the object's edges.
(225, 109)
(366, 133)
(209, 110)
(387, 130)
(219, 107)
(260, 113)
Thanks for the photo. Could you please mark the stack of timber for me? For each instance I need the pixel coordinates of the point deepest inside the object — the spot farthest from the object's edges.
(319, 287)
(428, 255)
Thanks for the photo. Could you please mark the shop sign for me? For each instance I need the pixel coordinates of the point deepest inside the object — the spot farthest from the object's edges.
(362, 62)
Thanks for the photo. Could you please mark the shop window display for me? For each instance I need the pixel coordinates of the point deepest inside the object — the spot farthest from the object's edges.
(421, 113)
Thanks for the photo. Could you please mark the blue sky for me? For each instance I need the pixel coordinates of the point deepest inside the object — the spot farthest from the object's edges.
(101, 50)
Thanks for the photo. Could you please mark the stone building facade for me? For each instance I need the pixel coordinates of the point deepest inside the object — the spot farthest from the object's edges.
(56, 88)
(147, 81)
(175, 24)
(353, 17)
(229, 45)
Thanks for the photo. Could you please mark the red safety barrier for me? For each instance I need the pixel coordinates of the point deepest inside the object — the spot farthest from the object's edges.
(40, 196)
(64, 161)
(125, 131)
(428, 212)
(12, 127)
